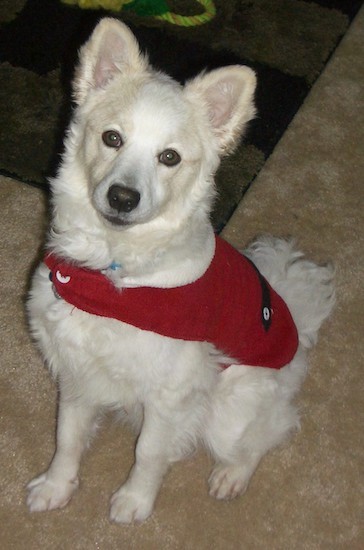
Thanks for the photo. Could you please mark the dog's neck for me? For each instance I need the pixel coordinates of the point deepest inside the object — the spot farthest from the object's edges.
(168, 261)
(153, 254)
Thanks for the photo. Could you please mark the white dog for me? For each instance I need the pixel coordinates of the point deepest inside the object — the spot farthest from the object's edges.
(131, 207)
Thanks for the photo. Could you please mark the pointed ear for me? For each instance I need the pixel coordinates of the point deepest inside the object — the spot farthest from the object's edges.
(227, 95)
(111, 49)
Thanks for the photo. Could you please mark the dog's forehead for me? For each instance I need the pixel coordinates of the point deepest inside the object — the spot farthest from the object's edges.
(163, 101)
(155, 94)
(161, 112)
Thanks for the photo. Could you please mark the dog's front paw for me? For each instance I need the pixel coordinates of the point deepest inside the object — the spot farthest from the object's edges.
(45, 494)
(128, 506)
(228, 481)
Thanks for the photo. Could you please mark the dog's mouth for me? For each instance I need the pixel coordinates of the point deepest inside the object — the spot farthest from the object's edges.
(115, 220)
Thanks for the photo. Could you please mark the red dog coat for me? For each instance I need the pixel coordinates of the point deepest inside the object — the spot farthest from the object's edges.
(231, 306)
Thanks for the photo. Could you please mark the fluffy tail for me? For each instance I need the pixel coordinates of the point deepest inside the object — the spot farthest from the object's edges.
(306, 287)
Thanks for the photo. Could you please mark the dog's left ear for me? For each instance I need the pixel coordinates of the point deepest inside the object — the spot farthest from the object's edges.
(112, 49)
(227, 95)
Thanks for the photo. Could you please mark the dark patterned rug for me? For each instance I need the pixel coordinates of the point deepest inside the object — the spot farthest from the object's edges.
(288, 43)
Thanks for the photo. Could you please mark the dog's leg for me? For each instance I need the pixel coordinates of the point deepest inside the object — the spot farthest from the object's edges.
(167, 435)
(54, 488)
(251, 413)
(135, 499)
(228, 481)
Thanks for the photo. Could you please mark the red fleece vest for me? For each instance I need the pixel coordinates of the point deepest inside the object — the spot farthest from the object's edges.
(231, 306)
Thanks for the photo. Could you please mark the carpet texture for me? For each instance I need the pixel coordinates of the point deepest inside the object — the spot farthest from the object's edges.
(306, 495)
(287, 42)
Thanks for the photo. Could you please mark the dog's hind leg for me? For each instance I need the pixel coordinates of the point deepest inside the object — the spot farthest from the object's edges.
(228, 481)
(250, 414)
(54, 488)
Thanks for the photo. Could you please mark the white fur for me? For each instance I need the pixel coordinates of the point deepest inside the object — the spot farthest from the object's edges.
(173, 392)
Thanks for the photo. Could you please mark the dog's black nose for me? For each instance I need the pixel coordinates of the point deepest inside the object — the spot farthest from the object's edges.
(123, 199)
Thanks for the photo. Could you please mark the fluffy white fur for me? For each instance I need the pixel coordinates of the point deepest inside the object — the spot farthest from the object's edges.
(173, 392)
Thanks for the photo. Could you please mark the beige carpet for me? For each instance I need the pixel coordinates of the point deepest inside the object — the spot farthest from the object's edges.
(306, 495)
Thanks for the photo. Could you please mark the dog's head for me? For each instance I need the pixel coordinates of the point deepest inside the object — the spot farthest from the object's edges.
(150, 147)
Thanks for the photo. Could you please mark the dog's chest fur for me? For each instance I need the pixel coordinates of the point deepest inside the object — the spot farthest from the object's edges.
(114, 361)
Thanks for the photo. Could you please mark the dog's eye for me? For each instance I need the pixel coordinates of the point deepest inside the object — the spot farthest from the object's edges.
(169, 157)
(111, 138)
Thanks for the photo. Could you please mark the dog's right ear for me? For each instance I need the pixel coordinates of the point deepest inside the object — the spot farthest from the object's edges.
(111, 49)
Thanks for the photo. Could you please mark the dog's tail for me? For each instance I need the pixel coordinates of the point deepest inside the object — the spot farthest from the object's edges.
(307, 288)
